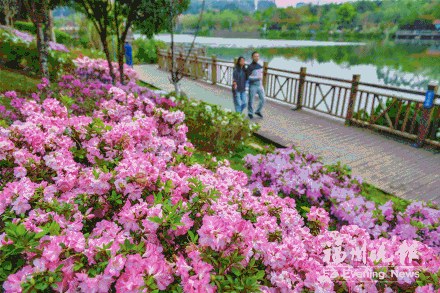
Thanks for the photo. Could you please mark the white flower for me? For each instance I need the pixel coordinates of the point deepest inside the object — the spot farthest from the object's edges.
(224, 122)
(208, 108)
(172, 99)
(194, 104)
(227, 110)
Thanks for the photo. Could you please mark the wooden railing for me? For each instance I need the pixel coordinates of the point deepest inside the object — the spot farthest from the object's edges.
(352, 100)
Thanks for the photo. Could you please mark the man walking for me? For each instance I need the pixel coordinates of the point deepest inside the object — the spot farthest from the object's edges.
(128, 54)
(255, 76)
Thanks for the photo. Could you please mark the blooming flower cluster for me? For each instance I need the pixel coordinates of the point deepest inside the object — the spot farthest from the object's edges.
(283, 171)
(29, 39)
(116, 203)
(98, 69)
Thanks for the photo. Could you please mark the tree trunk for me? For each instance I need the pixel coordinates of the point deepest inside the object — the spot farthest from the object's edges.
(42, 32)
(51, 27)
(39, 36)
(177, 88)
(107, 54)
(89, 31)
(121, 61)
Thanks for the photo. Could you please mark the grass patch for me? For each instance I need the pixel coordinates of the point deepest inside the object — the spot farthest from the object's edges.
(252, 145)
(380, 197)
(11, 80)
(144, 84)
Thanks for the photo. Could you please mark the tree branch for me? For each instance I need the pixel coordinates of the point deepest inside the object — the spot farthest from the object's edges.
(179, 71)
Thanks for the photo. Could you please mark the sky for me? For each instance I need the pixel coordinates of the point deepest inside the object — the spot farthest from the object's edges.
(285, 3)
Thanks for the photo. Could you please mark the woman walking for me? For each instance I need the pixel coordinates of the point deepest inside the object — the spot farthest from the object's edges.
(239, 85)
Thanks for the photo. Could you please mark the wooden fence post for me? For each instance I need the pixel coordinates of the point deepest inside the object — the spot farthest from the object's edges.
(181, 65)
(196, 67)
(214, 69)
(169, 60)
(426, 117)
(302, 81)
(352, 100)
(265, 76)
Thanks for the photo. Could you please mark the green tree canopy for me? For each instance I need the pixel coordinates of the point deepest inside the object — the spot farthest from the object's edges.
(346, 14)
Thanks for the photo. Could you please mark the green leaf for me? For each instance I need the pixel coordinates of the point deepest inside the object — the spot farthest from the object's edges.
(21, 230)
(155, 219)
(260, 275)
(235, 271)
(7, 265)
(59, 267)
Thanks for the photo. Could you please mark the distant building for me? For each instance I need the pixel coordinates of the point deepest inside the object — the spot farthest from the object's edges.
(437, 24)
(300, 4)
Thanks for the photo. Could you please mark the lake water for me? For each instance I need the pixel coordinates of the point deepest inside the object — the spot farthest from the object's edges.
(405, 66)
(244, 43)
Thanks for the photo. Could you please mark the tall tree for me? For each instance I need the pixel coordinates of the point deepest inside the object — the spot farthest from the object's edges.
(346, 14)
(99, 13)
(38, 12)
(9, 8)
(177, 75)
(115, 17)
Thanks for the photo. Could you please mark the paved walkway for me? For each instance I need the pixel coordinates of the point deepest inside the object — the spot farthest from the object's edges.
(387, 162)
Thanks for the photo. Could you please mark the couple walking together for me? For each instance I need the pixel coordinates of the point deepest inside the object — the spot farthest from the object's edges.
(254, 74)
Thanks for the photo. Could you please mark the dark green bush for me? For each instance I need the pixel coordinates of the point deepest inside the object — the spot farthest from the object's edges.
(84, 42)
(15, 52)
(145, 50)
(63, 38)
(25, 27)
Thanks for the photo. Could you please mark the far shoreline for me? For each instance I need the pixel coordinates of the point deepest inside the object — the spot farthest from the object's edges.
(256, 43)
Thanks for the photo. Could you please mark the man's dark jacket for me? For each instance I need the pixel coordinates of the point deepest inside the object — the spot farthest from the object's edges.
(240, 77)
(252, 67)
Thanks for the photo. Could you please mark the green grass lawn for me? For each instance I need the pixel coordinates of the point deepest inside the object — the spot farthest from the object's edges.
(144, 84)
(14, 81)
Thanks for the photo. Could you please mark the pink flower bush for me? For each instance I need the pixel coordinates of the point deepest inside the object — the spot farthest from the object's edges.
(29, 38)
(116, 202)
(291, 173)
(98, 69)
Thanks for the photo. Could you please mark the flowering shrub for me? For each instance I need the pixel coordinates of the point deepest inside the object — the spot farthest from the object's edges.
(112, 201)
(213, 129)
(12, 34)
(18, 47)
(98, 69)
(283, 173)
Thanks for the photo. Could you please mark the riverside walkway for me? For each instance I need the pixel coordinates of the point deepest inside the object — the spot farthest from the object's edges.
(389, 163)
